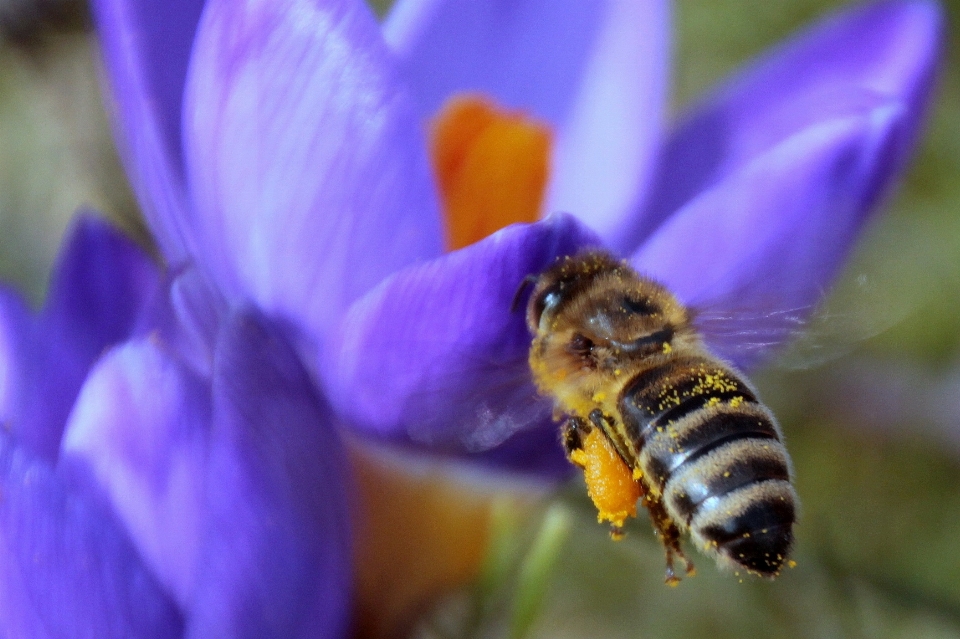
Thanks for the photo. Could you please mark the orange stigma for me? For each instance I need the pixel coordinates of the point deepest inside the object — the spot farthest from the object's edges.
(492, 167)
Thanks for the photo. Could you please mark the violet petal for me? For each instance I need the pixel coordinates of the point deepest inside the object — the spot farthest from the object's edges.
(307, 163)
(139, 433)
(436, 354)
(146, 46)
(772, 236)
(872, 52)
(596, 71)
(777, 171)
(66, 570)
(276, 557)
(101, 284)
(186, 316)
(15, 333)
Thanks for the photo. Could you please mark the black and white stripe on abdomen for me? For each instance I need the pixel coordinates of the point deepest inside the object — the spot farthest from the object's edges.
(715, 455)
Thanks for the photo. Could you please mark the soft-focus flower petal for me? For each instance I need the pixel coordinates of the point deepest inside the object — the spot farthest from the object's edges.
(307, 164)
(875, 52)
(772, 236)
(65, 569)
(101, 284)
(533, 451)
(139, 433)
(776, 173)
(596, 71)
(15, 322)
(435, 351)
(276, 559)
(187, 318)
(146, 47)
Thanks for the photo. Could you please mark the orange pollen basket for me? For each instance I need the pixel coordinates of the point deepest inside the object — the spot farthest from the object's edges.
(610, 482)
(492, 167)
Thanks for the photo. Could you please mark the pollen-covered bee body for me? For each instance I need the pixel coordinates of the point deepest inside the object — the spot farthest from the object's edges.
(618, 354)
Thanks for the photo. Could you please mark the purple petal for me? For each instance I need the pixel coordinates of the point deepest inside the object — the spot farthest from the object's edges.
(146, 47)
(772, 236)
(845, 65)
(596, 71)
(66, 570)
(535, 451)
(276, 560)
(139, 433)
(777, 172)
(435, 353)
(15, 327)
(187, 317)
(306, 161)
(101, 284)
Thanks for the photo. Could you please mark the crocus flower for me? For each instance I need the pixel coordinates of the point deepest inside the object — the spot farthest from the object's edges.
(280, 146)
(142, 498)
(279, 151)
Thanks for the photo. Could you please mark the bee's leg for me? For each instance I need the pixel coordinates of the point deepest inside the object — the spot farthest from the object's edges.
(669, 535)
(606, 425)
(572, 432)
(663, 525)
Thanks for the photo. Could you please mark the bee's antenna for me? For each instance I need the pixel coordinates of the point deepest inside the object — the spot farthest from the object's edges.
(524, 285)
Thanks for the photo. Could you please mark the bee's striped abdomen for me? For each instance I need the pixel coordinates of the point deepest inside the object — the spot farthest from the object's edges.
(714, 455)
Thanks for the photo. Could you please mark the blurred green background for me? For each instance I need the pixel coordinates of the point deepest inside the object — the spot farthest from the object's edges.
(874, 430)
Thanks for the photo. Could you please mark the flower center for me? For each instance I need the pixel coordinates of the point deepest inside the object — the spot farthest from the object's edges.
(491, 164)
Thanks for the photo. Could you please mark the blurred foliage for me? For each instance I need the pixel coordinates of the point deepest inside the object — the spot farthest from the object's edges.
(875, 434)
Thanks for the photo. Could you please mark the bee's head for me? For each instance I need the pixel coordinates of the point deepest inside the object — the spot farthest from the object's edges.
(563, 283)
(601, 308)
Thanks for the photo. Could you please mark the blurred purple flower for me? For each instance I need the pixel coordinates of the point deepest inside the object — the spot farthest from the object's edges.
(169, 467)
(142, 498)
(279, 146)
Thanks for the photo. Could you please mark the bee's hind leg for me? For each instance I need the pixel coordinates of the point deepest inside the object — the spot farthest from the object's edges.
(572, 434)
(669, 535)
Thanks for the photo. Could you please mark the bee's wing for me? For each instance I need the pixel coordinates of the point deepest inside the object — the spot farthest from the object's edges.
(493, 400)
(749, 336)
(805, 336)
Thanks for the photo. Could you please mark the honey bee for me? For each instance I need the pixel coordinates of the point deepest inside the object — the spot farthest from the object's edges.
(650, 414)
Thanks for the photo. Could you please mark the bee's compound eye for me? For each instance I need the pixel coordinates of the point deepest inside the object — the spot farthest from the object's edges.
(547, 303)
(550, 301)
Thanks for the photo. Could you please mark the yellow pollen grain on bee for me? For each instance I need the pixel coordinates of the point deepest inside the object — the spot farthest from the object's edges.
(637, 474)
(579, 458)
(667, 348)
(736, 401)
(791, 563)
(726, 474)
(610, 482)
(713, 401)
(599, 396)
(617, 371)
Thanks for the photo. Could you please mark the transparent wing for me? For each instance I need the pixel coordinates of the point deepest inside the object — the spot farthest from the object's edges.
(803, 337)
(479, 408)
(750, 336)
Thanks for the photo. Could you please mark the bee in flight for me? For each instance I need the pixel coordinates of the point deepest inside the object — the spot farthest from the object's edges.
(651, 415)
